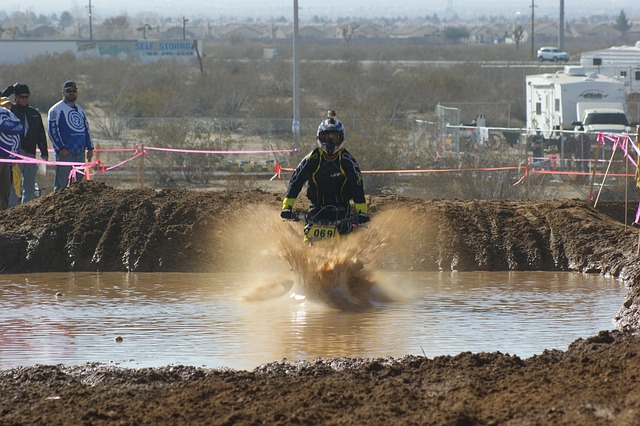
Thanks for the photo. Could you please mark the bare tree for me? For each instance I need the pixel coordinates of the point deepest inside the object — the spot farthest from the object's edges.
(517, 34)
(14, 32)
(116, 26)
(347, 32)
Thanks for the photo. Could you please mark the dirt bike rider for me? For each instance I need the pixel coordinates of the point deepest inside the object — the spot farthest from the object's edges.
(333, 177)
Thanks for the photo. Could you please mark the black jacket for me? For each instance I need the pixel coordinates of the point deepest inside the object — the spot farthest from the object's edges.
(34, 133)
(331, 181)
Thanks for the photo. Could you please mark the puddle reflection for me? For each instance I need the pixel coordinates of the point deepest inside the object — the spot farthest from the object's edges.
(199, 319)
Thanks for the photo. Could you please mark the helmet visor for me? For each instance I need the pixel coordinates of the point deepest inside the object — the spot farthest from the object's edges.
(330, 137)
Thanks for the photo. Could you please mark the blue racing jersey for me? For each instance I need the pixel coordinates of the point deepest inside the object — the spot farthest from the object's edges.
(10, 129)
(68, 128)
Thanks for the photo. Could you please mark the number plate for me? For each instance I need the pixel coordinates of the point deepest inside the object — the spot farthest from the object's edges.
(320, 232)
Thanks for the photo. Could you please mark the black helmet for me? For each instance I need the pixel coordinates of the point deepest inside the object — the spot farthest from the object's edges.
(330, 135)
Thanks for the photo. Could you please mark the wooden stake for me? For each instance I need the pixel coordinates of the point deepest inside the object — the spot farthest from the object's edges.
(626, 183)
(593, 171)
(141, 168)
(637, 132)
(606, 173)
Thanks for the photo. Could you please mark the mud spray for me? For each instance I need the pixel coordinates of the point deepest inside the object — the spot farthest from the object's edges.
(338, 273)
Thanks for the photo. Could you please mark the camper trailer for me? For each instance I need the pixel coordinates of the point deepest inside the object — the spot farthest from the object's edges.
(574, 98)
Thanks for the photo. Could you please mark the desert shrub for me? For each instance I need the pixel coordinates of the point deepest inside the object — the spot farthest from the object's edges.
(45, 76)
(471, 182)
(108, 127)
(165, 134)
(263, 88)
(148, 104)
(234, 98)
(173, 167)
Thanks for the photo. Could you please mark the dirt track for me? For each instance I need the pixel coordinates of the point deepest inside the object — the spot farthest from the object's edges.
(91, 227)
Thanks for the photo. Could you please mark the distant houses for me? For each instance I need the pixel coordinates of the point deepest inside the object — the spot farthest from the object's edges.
(486, 33)
(418, 30)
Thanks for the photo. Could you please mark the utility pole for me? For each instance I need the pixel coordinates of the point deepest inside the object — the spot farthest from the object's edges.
(184, 28)
(561, 27)
(295, 126)
(533, 51)
(90, 23)
(144, 29)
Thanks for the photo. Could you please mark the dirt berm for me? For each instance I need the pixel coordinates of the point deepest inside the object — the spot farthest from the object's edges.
(92, 227)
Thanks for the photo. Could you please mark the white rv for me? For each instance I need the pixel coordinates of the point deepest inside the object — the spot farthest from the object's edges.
(572, 98)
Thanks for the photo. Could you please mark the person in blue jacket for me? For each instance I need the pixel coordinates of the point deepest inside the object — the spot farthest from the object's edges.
(10, 129)
(70, 135)
(34, 136)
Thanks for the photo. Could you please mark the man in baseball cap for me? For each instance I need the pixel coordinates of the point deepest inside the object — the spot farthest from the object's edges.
(33, 137)
(15, 89)
(70, 135)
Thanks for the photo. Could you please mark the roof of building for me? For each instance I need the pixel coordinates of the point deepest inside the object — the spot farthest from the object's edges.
(616, 55)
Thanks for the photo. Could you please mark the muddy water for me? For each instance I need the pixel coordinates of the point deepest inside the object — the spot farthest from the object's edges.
(201, 320)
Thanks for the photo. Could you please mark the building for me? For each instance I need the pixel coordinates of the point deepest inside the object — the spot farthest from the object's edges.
(18, 51)
(621, 62)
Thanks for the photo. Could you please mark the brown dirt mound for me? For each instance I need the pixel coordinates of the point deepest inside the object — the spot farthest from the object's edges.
(592, 383)
(92, 227)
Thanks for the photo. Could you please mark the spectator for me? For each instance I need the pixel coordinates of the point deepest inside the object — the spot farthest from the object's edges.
(32, 136)
(583, 150)
(69, 134)
(10, 129)
(536, 145)
(570, 150)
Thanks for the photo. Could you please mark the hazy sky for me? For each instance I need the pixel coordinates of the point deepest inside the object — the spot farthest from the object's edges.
(330, 8)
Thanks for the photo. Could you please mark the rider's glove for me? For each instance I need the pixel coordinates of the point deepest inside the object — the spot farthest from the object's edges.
(287, 209)
(287, 213)
(362, 218)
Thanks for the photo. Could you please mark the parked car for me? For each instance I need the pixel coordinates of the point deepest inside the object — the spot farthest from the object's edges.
(552, 54)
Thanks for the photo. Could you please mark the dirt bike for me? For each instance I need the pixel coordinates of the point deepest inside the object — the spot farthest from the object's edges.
(330, 274)
(327, 223)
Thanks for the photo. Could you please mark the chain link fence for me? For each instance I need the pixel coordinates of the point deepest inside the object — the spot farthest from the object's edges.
(442, 158)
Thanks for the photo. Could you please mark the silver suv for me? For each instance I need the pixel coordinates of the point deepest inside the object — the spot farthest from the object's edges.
(552, 54)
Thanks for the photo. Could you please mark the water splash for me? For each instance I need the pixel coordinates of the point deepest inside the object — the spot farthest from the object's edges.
(333, 272)
(337, 273)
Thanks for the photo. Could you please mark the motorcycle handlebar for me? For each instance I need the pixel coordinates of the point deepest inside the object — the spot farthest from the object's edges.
(298, 216)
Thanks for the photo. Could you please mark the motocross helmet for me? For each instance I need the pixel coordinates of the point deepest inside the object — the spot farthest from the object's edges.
(330, 135)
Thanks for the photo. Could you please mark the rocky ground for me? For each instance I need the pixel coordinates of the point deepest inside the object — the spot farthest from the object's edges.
(92, 227)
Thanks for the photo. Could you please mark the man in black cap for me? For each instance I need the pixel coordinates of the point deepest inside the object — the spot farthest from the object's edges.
(32, 136)
(70, 135)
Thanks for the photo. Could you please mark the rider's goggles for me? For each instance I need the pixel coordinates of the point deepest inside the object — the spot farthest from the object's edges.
(330, 137)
